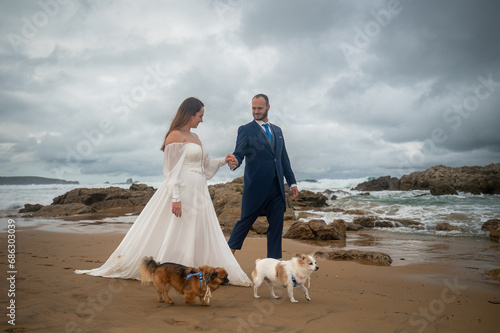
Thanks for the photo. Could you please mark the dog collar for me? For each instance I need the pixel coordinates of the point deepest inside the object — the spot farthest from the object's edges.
(200, 276)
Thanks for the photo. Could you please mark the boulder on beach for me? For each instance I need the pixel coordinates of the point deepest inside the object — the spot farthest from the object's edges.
(494, 273)
(62, 210)
(448, 227)
(493, 226)
(495, 236)
(309, 199)
(371, 257)
(29, 208)
(317, 230)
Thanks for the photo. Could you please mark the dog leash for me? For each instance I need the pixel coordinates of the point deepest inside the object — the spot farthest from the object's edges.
(208, 294)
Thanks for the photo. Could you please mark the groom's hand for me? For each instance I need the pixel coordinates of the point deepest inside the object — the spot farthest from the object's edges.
(295, 192)
(231, 161)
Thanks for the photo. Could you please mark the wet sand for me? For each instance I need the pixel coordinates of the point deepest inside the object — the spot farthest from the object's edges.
(438, 287)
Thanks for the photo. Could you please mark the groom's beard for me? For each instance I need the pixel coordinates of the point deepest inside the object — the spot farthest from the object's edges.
(263, 116)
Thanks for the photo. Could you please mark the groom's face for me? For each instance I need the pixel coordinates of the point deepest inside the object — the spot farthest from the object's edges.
(260, 109)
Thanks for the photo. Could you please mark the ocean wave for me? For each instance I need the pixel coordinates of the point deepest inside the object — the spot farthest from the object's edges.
(464, 210)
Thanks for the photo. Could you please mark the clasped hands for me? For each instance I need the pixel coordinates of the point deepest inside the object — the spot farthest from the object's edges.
(231, 161)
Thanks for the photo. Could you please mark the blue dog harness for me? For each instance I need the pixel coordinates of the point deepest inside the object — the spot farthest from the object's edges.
(200, 276)
(295, 283)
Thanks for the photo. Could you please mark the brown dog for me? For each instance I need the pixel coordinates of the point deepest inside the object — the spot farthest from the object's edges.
(188, 281)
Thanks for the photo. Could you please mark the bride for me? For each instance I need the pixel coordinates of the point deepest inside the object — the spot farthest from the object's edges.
(179, 223)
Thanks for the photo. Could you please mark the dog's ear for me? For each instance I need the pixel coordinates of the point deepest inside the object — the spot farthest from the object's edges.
(209, 274)
(300, 256)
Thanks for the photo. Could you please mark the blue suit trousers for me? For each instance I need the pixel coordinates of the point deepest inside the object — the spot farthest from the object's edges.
(273, 207)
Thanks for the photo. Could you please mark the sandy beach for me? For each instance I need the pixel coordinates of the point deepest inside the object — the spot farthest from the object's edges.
(434, 294)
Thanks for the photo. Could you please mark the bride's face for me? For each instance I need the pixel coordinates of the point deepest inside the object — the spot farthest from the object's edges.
(197, 118)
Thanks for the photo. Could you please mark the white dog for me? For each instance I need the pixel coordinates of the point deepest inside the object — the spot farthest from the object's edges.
(287, 273)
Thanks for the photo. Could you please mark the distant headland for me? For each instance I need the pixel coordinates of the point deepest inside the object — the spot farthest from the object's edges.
(28, 180)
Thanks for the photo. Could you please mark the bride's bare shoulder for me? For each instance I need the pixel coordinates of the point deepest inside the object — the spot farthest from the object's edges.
(175, 137)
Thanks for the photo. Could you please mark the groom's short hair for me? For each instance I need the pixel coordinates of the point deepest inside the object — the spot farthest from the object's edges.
(263, 96)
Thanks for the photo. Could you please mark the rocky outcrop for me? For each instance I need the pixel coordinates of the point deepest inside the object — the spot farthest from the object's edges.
(448, 227)
(494, 273)
(62, 210)
(29, 208)
(317, 230)
(441, 179)
(495, 236)
(386, 183)
(367, 257)
(493, 226)
(384, 222)
(227, 199)
(93, 200)
(443, 190)
(308, 199)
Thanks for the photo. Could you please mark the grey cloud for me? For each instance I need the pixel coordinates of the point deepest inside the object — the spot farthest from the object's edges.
(341, 116)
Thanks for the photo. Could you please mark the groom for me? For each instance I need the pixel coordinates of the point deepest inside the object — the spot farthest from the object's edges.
(267, 163)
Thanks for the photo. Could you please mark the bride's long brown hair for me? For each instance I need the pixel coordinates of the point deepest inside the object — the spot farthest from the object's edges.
(187, 109)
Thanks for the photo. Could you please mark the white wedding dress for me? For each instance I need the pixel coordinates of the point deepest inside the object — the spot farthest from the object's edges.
(194, 239)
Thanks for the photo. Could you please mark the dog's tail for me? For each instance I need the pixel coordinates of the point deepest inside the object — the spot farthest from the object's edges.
(147, 267)
(254, 273)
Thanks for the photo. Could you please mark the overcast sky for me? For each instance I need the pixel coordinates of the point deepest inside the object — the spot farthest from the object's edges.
(359, 88)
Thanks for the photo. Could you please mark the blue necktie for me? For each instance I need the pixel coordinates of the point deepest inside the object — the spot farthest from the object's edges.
(268, 132)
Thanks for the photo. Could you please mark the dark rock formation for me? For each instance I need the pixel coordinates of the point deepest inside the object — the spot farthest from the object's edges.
(441, 179)
(443, 190)
(309, 199)
(29, 208)
(377, 258)
(386, 183)
(494, 273)
(92, 200)
(375, 221)
(493, 226)
(448, 227)
(62, 210)
(495, 236)
(351, 226)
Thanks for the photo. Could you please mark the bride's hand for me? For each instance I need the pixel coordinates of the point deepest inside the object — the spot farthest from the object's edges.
(177, 209)
(231, 161)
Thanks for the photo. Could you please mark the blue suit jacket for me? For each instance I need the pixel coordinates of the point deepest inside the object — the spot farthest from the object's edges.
(262, 164)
